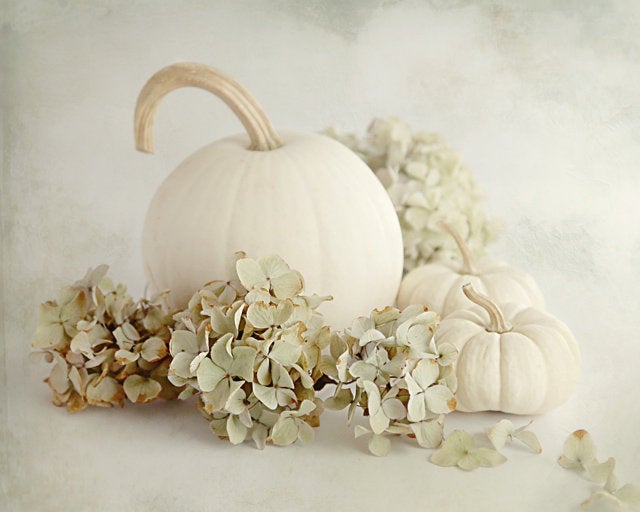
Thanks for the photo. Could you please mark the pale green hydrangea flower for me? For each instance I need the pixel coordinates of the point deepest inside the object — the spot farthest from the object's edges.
(388, 364)
(427, 183)
(104, 346)
(250, 349)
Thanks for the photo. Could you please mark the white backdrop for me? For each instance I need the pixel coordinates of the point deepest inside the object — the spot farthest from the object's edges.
(543, 101)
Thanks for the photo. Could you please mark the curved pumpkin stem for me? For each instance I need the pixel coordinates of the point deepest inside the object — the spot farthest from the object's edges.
(187, 74)
(468, 261)
(497, 322)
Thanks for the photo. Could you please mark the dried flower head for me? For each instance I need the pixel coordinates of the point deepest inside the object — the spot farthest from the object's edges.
(103, 345)
(459, 449)
(401, 378)
(427, 183)
(250, 349)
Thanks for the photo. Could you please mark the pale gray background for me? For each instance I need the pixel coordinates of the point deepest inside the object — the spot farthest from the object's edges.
(541, 97)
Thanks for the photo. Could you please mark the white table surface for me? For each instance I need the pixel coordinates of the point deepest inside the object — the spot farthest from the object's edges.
(542, 101)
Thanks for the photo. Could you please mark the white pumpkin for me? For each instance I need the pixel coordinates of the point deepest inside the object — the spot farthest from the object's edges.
(304, 196)
(512, 358)
(439, 285)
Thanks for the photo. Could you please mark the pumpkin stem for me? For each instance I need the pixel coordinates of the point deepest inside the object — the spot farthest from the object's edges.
(187, 74)
(497, 322)
(468, 261)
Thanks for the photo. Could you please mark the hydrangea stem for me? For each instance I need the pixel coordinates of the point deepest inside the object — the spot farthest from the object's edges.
(187, 74)
(468, 261)
(497, 322)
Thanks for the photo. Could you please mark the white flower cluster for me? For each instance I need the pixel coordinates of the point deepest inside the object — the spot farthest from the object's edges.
(403, 381)
(427, 183)
(250, 348)
(104, 346)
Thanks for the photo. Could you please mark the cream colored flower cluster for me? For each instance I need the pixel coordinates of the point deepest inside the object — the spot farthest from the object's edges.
(404, 383)
(427, 183)
(249, 349)
(103, 345)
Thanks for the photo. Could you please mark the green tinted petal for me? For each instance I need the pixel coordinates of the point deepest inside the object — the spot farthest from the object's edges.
(209, 375)
(440, 399)
(286, 285)
(242, 365)
(428, 433)
(140, 389)
(266, 395)
(285, 431)
(250, 274)
(236, 431)
(379, 445)
(305, 432)
(183, 341)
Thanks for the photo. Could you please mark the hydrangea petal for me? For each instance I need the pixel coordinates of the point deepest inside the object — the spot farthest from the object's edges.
(428, 433)
(236, 431)
(499, 433)
(393, 408)
(49, 336)
(219, 353)
(379, 445)
(340, 400)
(305, 432)
(59, 377)
(425, 373)
(285, 353)
(489, 457)
(183, 341)
(266, 395)
(259, 435)
(180, 365)
(140, 389)
(578, 451)
(261, 315)
(306, 407)
(286, 285)
(530, 439)
(440, 399)
(273, 266)
(285, 431)
(209, 375)
(416, 408)
(600, 472)
(242, 364)
(251, 274)
(363, 371)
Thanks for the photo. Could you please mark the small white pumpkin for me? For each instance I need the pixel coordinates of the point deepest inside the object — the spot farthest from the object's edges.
(512, 358)
(303, 196)
(439, 285)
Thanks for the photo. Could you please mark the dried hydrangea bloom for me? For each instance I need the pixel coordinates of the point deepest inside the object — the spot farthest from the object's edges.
(427, 183)
(459, 449)
(250, 349)
(104, 346)
(402, 379)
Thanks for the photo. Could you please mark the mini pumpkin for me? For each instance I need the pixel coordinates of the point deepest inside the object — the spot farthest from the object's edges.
(439, 285)
(512, 358)
(301, 195)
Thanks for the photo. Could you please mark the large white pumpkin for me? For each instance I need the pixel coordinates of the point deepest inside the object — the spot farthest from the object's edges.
(512, 358)
(304, 196)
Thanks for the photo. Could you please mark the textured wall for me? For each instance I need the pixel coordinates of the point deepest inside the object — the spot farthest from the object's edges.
(541, 97)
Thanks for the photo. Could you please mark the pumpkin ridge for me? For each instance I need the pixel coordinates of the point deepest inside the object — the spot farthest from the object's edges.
(535, 332)
(239, 178)
(305, 185)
